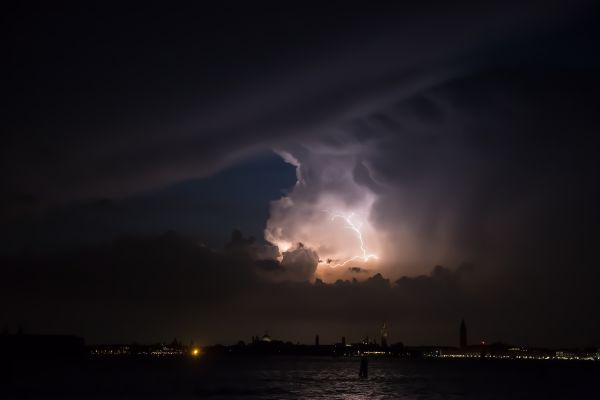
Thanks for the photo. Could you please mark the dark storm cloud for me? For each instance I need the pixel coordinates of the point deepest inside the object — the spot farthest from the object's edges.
(497, 168)
(136, 283)
(508, 165)
(109, 103)
(157, 288)
(300, 262)
(204, 208)
(473, 125)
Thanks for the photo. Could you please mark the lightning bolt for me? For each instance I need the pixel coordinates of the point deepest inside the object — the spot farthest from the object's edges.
(364, 256)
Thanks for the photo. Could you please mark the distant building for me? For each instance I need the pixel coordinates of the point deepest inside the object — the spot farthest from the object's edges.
(463, 334)
(384, 336)
(266, 338)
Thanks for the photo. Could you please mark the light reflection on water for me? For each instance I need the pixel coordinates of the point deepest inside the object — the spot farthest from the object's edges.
(326, 378)
(301, 378)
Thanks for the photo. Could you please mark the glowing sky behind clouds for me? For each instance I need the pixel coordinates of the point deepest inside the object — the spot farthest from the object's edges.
(315, 213)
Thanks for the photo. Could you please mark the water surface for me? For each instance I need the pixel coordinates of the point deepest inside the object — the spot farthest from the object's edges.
(250, 377)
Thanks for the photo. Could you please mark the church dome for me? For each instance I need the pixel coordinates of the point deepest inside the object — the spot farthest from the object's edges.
(266, 338)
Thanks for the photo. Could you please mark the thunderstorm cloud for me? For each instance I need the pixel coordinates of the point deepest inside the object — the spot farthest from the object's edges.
(456, 143)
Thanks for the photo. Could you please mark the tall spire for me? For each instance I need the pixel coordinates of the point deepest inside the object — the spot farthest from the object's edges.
(384, 335)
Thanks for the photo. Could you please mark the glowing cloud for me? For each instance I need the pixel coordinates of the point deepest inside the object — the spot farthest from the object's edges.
(327, 211)
(364, 256)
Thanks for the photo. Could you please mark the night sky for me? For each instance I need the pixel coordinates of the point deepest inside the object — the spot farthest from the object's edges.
(415, 163)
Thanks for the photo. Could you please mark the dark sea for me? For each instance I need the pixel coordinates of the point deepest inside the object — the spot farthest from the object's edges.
(279, 377)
